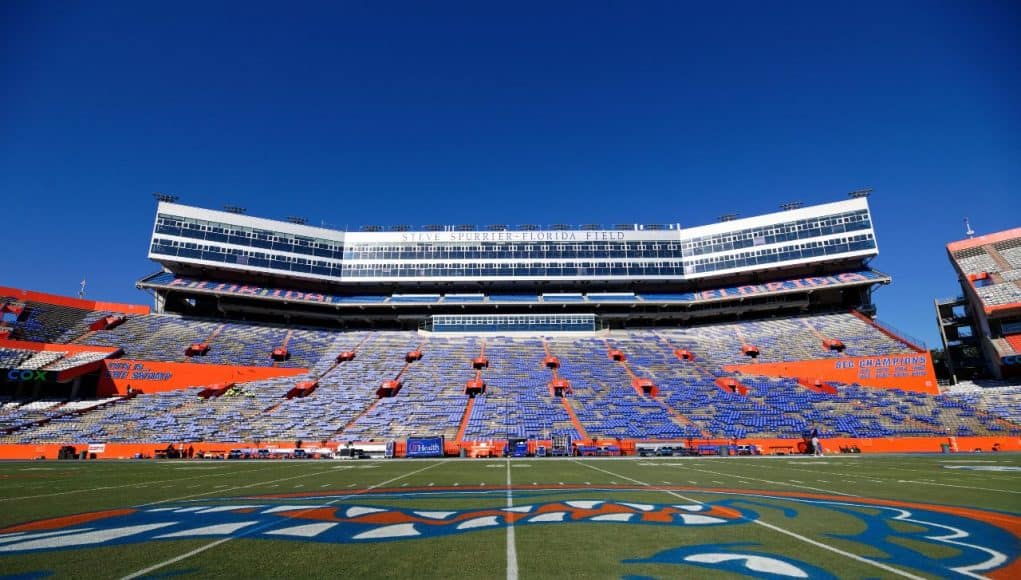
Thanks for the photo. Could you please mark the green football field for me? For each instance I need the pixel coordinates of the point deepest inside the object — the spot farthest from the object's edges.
(858, 516)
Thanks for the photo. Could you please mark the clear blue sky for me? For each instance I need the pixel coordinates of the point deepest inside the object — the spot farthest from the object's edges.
(535, 112)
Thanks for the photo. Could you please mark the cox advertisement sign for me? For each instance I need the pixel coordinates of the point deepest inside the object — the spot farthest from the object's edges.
(27, 376)
(425, 447)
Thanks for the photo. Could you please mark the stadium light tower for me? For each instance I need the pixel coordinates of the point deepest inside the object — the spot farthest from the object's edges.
(860, 193)
(728, 217)
(234, 209)
(159, 196)
(297, 220)
(791, 205)
(970, 232)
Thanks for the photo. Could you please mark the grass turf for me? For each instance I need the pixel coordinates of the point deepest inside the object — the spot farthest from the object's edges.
(818, 514)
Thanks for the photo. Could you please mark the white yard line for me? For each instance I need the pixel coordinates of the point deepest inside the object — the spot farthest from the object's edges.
(512, 549)
(960, 486)
(784, 483)
(984, 476)
(179, 498)
(775, 528)
(144, 483)
(211, 545)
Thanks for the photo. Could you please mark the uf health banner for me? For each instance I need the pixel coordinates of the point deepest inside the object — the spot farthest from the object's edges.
(170, 281)
(425, 447)
(909, 372)
(147, 376)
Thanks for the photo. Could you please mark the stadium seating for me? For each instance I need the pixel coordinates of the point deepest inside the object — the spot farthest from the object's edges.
(1002, 259)
(166, 337)
(688, 402)
(41, 322)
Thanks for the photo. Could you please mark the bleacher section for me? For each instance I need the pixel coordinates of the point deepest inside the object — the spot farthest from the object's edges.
(41, 322)
(167, 337)
(16, 414)
(517, 401)
(992, 266)
(431, 401)
(787, 339)
(50, 360)
(603, 399)
(1002, 402)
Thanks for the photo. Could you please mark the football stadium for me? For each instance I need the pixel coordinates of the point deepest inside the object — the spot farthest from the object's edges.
(496, 401)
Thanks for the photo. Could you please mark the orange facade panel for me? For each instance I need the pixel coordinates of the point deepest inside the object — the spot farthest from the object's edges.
(909, 372)
(147, 376)
(55, 347)
(984, 240)
(72, 302)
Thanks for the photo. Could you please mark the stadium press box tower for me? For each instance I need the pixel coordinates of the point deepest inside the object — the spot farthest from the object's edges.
(466, 278)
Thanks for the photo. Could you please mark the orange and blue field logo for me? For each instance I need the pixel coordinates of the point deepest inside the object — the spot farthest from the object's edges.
(896, 535)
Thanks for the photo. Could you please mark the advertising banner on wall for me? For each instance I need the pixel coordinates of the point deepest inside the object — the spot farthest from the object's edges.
(425, 447)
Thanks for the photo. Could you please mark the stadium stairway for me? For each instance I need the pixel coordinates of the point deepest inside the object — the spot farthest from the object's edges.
(635, 354)
(517, 402)
(602, 397)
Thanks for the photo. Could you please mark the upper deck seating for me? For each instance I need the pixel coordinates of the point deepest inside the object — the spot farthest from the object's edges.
(42, 322)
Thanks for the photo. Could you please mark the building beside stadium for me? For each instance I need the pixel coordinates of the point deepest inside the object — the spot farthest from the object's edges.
(448, 339)
(981, 328)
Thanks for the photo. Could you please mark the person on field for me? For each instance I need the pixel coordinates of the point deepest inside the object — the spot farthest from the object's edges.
(816, 445)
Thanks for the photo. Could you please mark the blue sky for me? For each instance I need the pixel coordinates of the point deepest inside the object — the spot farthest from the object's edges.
(353, 113)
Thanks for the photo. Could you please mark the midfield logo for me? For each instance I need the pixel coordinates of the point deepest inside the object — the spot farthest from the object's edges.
(931, 540)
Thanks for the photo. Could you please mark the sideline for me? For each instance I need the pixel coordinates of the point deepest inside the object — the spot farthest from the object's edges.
(136, 484)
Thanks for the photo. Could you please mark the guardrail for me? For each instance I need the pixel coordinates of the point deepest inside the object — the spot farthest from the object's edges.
(910, 340)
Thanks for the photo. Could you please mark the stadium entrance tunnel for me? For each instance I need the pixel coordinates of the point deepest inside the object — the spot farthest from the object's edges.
(684, 354)
(645, 386)
(560, 387)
